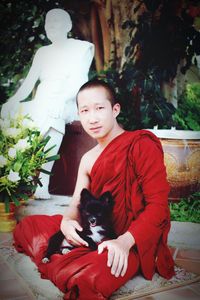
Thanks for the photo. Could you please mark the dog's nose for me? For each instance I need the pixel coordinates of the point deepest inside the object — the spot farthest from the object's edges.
(93, 221)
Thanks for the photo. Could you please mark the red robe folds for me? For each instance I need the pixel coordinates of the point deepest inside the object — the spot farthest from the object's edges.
(131, 167)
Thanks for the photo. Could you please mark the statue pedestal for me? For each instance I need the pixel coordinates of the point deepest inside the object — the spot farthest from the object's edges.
(74, 144)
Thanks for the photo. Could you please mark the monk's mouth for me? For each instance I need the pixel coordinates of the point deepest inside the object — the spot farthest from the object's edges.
(95, 129)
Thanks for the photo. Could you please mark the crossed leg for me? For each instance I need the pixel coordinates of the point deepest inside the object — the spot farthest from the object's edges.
(94, 281)
(56, 139)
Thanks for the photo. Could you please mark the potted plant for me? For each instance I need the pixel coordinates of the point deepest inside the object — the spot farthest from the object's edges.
(186, 116)
(22, 155)
(181, 145)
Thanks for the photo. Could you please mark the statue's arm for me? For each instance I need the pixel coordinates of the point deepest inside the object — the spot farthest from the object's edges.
(88, 58)
(82, 76)
(89, 55)
(29, 82)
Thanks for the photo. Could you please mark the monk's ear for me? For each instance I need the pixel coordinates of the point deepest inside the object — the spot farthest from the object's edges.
(116, 109)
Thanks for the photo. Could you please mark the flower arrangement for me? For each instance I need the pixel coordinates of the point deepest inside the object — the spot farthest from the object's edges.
(22, 154)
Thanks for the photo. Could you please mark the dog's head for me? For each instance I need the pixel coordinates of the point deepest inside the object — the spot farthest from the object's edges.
(95, 211)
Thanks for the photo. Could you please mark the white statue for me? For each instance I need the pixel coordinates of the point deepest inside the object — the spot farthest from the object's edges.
(61, 67)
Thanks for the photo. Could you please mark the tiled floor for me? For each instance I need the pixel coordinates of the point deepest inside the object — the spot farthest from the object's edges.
(13, 288)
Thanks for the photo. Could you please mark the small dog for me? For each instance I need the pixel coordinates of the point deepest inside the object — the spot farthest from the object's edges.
(95, 219)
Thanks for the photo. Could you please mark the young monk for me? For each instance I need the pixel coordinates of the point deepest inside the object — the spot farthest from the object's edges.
(130, 166)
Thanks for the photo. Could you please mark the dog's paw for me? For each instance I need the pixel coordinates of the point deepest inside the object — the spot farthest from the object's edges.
(45, 260)
(65, 250)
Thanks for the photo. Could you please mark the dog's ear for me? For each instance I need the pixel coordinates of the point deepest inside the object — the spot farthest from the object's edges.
(107, 198)
(85, 196)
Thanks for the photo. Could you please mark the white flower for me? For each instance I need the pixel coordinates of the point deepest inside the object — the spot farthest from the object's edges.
(12, 152)
(22, 144)
(12, 132)
(3, 161)
(13, 176)
(27, 123)
(4, 123)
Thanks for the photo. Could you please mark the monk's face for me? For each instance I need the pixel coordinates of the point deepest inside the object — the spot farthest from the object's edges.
(97, 115)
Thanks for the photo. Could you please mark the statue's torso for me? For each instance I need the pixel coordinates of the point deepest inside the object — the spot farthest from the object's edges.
(62, 69)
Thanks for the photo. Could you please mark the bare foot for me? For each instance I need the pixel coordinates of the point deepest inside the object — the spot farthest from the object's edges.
(42, 193)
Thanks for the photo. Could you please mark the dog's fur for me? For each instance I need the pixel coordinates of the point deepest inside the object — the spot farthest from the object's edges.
(95, 219)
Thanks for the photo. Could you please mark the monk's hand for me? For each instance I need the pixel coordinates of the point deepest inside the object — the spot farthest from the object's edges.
(118, 253)
(69, 229)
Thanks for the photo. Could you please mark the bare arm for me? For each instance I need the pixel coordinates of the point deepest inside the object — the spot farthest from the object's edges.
(70, 221)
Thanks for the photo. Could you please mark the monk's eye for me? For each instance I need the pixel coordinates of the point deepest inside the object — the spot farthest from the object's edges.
(100, 107)
(84, 111)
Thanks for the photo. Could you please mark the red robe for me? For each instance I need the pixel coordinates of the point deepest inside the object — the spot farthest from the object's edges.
(131, 167)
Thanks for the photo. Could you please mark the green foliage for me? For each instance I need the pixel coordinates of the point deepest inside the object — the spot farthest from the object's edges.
(187, 116)
(161, 37)
(145, 99)
(187, 210)
(21, 34)
(140, 96)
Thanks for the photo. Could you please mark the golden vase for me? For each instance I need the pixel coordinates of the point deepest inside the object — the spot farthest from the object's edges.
(7, 220)
(182, 160)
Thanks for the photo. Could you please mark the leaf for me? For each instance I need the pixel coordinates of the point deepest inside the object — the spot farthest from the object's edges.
(7, 203)
(53, 157)
(23, 196)
(45, 171)
(17, 166)
(46, 140)
(15, 200)
(37, 180)
(49, 149)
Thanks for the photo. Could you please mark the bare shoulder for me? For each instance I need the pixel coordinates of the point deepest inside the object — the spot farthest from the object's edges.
(85, 167)
(89, 158)
(84, 171)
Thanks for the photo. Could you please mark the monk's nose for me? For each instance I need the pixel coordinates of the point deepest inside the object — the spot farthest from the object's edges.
(93, 118)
